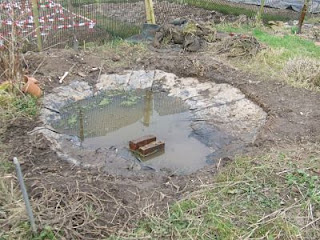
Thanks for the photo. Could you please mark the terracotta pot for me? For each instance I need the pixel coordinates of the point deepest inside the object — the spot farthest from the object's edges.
(31, 86)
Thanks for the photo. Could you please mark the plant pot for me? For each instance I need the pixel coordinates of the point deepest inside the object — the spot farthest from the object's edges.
(31, 87)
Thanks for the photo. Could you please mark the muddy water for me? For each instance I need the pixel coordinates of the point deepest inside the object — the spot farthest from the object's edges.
(112, 120)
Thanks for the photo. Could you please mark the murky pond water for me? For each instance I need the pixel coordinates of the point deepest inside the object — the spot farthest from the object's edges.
(111, 120)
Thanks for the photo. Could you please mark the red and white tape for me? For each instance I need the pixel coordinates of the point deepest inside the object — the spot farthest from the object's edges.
(58, 18)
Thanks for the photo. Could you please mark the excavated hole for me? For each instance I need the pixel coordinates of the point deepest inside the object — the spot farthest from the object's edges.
(200, 123)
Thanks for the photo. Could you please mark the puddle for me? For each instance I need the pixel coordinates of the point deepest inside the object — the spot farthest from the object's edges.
(112, 119)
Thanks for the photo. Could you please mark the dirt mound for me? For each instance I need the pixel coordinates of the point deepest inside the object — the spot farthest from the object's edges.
(189, 35)
(239, 46)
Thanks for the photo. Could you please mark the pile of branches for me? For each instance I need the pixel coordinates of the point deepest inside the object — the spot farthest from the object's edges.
(239, 46)
(189, 35)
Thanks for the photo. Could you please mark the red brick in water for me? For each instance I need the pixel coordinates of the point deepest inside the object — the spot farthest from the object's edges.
(137, 143)
(151, 148)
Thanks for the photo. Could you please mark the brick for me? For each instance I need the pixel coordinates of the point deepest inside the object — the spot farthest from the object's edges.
(151, 148)
(140, 142)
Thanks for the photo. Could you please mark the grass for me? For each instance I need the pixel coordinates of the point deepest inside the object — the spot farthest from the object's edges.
(233, 10)
(272, 196)
(12, 106)
(280, 52)
(117, 28)
(293, 44)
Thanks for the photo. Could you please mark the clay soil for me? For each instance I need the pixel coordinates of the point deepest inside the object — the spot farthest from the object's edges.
(293, 118)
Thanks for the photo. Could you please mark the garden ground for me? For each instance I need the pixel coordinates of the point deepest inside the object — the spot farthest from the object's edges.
(271, 191)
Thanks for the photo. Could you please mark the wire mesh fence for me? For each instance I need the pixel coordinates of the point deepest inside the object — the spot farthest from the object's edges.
(66, 22)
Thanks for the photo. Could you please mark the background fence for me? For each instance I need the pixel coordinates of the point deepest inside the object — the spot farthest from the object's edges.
(64, 22)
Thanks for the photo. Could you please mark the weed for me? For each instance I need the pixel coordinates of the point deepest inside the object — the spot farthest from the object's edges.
(45, 234)
(130, 100)
(13, 106)
(104, 102)
(26, 105)
(190, 28)
(309, 184)
(294, 30)
(72, 120)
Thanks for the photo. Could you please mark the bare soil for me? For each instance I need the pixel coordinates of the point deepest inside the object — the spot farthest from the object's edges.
(293, 117)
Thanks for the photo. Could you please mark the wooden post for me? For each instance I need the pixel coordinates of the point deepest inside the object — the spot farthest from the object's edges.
(150, 12)
(148, 108)
(261, 10)
(35, 13)
(303, 15)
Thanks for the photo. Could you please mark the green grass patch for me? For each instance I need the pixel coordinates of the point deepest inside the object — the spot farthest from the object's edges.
(295, 45)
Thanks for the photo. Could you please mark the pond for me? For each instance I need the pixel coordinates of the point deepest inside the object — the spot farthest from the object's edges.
(110, 120)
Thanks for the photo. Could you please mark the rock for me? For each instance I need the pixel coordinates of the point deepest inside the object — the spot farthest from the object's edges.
(179, 21)
(116, 58)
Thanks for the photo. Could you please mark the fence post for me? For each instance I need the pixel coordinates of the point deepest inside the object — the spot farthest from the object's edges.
(303, 15)
(35, 12)
(150, 12)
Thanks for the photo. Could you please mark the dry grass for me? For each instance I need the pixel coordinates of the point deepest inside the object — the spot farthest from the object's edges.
(239, 46)
(272, 196)
(303, 71)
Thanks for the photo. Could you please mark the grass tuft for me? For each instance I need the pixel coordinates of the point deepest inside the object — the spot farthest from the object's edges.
(303, 71)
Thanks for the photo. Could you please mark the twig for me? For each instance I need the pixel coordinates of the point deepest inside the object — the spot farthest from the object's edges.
(310, 223)
(38, 67)
(66, 73)
(63, 77)
(101, 66)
